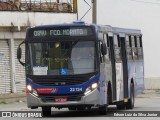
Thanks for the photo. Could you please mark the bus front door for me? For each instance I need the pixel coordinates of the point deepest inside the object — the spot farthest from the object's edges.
(117, 69)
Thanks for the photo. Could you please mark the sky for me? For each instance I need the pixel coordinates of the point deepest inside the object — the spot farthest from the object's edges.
(137, 14)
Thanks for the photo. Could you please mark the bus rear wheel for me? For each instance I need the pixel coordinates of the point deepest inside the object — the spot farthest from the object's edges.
(130, 103)
(46, 111)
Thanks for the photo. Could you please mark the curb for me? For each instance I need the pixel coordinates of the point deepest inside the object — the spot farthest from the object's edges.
(12, 95)
(11, 98)
(149, 94)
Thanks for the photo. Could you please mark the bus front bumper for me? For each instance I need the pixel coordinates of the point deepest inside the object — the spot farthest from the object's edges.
(91, 99)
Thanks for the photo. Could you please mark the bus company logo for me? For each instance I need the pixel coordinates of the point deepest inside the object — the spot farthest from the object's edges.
(54, 90)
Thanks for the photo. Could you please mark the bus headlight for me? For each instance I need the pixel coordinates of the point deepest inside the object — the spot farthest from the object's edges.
(29, 88)
(92, 87)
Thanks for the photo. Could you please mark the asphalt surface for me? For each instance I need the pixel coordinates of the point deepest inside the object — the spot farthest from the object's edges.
(148, 101)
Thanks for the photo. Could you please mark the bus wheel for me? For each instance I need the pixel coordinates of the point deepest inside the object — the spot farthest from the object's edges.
(103, 110)
(130, 104)
(46, 111)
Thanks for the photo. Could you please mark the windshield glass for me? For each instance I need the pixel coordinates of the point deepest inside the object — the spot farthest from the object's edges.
(61, 58)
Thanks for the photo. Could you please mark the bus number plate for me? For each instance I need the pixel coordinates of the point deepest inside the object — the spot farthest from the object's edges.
(60, 99)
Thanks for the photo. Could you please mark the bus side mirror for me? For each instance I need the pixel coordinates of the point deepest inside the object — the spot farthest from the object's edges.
(19, 53)
(103, 49)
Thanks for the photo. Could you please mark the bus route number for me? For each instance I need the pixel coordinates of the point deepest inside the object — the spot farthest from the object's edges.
(75, 89)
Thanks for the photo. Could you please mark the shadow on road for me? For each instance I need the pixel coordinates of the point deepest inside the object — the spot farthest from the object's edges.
(87, 113)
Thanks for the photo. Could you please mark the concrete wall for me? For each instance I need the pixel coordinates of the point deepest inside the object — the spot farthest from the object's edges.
(11, 24)
(11, 39)
(141, 14)
(152, 83)
(34, 18)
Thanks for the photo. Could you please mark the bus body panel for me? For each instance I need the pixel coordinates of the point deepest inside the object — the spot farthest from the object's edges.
(96, 97)
(139, 78)
(88, 100)
(109, 71)
(136, 72)
(103, 85)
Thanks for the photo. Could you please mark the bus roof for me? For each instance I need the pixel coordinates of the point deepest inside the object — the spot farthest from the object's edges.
(76, 23)
(126, 31)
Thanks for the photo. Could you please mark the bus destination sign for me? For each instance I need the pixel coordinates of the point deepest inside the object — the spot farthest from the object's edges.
(61, 32)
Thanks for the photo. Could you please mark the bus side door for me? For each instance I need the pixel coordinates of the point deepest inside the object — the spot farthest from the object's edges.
(118, 67)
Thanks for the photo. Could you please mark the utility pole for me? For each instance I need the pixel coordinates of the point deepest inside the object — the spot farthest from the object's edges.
(75, 7)
(94, 11)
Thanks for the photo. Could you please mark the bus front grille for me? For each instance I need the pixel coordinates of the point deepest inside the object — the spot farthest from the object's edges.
(51, 98)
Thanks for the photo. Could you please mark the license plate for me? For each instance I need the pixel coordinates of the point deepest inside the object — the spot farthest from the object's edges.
(60, 99)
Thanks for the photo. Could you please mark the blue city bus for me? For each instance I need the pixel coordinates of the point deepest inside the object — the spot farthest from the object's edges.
(82, 66)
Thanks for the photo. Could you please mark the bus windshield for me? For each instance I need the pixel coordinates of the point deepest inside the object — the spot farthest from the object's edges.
(61, 58)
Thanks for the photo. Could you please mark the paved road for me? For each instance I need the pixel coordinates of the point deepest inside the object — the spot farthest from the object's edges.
(149, 103)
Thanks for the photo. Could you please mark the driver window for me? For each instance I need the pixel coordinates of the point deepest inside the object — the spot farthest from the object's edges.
(82, 57)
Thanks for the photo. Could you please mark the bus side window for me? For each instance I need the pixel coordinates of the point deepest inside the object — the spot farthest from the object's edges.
(134, 47)
(139, 48)
(128, 48)
(101, 38)
(117, 48)
(106, 41)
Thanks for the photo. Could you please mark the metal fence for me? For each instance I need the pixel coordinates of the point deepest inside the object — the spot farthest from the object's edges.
(64, 6)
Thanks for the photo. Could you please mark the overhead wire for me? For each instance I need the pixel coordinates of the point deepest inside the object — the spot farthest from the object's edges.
(87, 10)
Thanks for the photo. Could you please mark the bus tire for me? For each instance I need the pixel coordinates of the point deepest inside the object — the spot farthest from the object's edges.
(46, 111)
(103, 109)
(130, 103)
